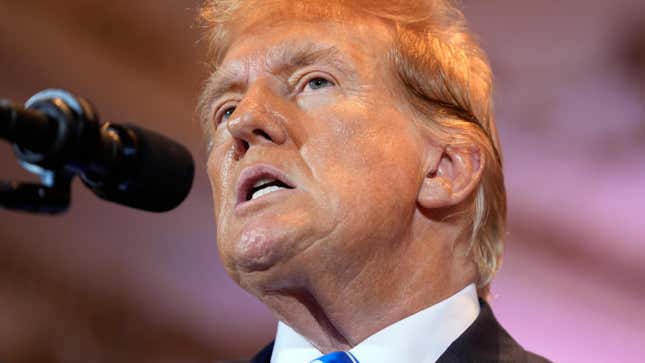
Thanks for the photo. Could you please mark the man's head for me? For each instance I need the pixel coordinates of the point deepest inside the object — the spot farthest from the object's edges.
(375, 118)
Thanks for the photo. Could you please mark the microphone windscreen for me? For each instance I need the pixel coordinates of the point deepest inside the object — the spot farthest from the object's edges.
(160, 177)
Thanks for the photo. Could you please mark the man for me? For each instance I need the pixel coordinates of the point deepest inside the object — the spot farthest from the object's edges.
(357, 178)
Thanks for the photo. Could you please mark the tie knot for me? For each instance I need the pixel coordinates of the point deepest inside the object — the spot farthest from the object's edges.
(336, 357)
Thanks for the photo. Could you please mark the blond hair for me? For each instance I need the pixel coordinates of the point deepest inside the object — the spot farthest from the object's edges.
(444, 73)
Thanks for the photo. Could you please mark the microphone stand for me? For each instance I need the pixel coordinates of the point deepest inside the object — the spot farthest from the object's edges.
(50, 197)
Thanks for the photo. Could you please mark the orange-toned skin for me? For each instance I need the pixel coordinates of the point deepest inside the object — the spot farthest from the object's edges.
(363, 240)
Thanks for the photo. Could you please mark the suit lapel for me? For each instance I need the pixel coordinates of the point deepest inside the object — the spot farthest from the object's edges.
(484, 341)
(264, 356)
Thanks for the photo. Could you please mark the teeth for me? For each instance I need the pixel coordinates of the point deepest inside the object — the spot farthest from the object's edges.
(262, 182)
(265, 191)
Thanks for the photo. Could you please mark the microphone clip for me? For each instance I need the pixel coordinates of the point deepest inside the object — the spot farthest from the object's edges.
(75, 120)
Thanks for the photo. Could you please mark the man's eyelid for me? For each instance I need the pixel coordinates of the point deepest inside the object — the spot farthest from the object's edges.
(221, 107)
(298, 81)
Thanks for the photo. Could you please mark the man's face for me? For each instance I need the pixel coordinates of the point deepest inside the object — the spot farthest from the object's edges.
(315, 164)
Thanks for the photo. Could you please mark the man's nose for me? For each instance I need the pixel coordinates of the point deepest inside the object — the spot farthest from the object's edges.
(258, 120)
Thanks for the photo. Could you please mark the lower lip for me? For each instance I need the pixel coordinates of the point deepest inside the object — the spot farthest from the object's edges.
(254, 204)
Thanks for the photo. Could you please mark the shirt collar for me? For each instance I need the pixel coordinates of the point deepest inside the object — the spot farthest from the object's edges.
(421, 337)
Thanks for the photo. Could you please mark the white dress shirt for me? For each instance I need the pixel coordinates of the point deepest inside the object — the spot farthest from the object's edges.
(419, 338)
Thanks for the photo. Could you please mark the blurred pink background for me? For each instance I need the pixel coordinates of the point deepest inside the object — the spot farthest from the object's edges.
(104, 283)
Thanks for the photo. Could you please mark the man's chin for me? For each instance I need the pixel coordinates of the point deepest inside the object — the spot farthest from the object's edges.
(254, 258)
(257, 270)
(269, 241)
(260, 247)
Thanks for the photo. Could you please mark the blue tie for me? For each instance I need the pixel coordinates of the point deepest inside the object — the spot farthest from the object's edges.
(336, 357)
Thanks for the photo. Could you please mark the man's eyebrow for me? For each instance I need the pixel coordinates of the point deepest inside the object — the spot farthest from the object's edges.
(287, 58)
(283, 60)
(221, 81)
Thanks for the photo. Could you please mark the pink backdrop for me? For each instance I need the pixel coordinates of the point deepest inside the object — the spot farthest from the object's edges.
(106, 283)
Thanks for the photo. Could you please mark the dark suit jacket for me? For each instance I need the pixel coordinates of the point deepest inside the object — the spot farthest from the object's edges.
(485, 341)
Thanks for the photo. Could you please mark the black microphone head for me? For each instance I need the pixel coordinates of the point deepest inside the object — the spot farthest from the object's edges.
(158, 176)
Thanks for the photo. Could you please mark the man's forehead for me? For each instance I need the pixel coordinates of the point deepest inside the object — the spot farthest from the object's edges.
(299, 40)
(283, 48)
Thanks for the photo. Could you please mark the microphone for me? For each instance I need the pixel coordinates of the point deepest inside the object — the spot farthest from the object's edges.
(126, 164)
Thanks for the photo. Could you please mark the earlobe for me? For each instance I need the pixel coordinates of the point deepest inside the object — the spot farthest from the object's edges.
(452, 177)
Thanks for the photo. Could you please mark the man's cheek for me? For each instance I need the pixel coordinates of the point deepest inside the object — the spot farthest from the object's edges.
(321, 101)
(219, 170)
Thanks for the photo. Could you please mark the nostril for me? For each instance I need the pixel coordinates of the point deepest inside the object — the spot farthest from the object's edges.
(240, 148)
(262, 133)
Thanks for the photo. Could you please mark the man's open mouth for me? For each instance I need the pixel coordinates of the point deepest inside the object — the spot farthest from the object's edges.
(258, 181)
(265, 186)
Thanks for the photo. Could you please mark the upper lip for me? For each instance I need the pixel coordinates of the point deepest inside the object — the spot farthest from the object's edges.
(252, 174)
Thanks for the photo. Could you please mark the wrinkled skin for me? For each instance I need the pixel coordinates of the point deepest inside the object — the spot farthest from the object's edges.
(349, 243)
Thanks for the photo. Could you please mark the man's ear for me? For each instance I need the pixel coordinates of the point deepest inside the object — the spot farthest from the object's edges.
(453, 174)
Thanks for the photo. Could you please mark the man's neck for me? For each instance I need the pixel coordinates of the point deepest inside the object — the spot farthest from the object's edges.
(338, 314)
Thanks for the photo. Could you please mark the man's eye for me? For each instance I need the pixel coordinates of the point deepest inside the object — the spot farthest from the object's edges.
(225, 115)
(318, 83)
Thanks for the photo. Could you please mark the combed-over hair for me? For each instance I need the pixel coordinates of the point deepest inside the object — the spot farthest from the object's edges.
(443, 71)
